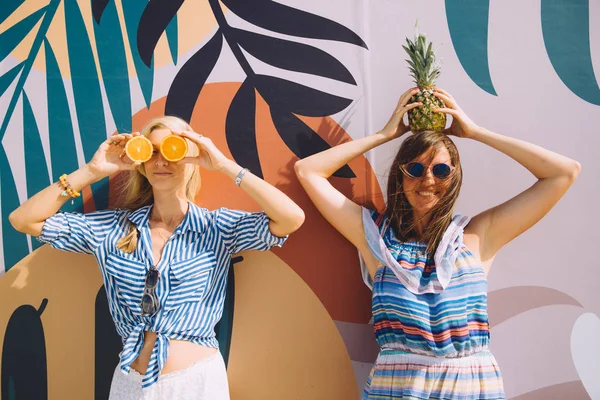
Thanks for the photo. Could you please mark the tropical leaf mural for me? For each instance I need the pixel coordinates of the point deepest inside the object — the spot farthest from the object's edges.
(285, 98)
(566, 33)
(97, 62)
(90, 86)
(566, 30)
(468, 25)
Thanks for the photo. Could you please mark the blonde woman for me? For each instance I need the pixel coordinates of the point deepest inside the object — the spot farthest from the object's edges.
(164, 260)
(426, 266)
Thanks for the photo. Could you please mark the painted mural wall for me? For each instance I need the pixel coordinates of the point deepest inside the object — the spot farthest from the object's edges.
(272, 82)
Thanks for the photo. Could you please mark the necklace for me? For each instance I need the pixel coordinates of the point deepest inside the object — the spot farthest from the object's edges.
(160, 221)
(165, 240)
(157, 229)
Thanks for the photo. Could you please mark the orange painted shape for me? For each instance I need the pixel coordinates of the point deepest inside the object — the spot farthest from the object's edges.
(284, 344)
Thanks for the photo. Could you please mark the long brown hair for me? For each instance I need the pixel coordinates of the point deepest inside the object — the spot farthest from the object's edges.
(398, 209)
(135, 191)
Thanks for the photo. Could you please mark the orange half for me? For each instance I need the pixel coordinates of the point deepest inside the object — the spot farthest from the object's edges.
(139, 149)
(174, 148)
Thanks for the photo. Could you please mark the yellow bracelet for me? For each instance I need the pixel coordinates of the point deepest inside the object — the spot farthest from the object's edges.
(68, 190)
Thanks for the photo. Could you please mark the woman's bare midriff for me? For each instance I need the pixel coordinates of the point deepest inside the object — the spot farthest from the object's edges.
(182, 354)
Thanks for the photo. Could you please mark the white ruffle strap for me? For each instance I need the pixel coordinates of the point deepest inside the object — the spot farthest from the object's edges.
(444, 258)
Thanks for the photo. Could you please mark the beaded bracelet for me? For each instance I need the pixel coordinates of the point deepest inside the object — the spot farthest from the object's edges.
(67, 188)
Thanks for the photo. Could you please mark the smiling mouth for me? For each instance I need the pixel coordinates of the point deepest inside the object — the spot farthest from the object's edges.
(426, 193)
(162, 173)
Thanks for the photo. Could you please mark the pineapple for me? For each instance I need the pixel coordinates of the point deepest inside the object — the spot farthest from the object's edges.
(424, 71)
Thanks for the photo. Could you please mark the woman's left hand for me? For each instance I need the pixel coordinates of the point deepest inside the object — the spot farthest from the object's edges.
(209, 157)
(462, 126)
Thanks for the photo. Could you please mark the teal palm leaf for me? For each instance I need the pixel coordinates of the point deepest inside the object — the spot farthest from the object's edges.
(50, 10)
(36, 170)
(468, 26)
(113, 64)
(566, 30)
(10, 38)
(86, 84)
(14, 243)
(63, 154)
(8, 6)
(86, 90)
(8, 78)
(132, 12)
(172, 38)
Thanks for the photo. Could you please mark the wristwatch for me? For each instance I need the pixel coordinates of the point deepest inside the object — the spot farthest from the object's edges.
(238, 178)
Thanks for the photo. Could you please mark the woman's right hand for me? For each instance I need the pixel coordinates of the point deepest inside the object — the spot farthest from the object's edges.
(396, 126)
(110, 157)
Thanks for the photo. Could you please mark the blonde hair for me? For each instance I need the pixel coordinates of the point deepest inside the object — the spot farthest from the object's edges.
(135, 190)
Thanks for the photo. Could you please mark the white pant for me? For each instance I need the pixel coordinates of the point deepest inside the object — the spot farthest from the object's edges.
(204, 380)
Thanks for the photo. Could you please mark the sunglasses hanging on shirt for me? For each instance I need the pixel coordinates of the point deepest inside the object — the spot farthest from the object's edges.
(149, 298)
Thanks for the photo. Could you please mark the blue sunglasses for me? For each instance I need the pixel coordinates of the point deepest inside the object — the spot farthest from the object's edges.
(417, 170)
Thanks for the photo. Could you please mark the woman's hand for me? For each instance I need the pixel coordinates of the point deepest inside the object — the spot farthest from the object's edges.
(396, 126)
(462, 126)
(110, 157)
(209, 157)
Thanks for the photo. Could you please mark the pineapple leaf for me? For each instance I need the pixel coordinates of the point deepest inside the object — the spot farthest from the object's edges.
(422, 60)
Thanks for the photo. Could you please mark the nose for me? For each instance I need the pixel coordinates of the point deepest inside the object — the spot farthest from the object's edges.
(160, 160)
(428, 176)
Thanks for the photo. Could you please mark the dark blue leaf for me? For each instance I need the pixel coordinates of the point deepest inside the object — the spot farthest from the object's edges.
(36, 170)
(8, 7)
(224, 328)
(301, 139)
(98, 7)
(240, 128)
(132, 12)
(113, 64)
(284, 19)
(172, 38)
(468, 25)
(25, 347)
(566, 30)
(107, 346)
(14, 243)
(298, 99)
(13, 36)
(86, 91)
(293, 56)
(156, 17)
(63, 154)
(188, 82)
(9, 77)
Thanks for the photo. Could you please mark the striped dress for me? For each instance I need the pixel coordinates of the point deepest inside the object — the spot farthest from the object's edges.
(193, 272)
(430, 318)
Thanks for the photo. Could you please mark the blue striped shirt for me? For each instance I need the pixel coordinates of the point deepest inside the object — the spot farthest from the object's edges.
(193, 271)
